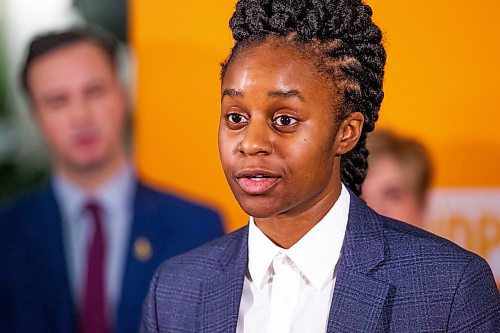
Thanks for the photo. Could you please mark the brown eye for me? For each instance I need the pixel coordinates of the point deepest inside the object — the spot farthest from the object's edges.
(236, 118)
(285, 120)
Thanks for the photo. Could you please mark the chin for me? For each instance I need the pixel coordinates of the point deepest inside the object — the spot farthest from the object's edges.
(258, 207)
(89, 164)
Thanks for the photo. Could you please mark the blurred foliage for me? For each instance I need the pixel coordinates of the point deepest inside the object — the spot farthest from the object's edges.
(14, 179)
(14, 182)
(109, 14)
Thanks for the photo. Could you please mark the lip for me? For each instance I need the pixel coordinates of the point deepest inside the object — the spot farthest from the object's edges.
(256, 181)
(85, 138)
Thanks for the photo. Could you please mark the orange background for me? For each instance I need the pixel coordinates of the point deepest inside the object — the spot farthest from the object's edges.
(441, 86)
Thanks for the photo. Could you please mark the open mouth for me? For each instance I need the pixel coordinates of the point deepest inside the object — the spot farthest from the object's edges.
(256, 183)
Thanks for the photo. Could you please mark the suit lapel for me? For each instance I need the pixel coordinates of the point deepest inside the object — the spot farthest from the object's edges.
(138, 271)
(49, 235)
(357, 303)
(222, 295)
(358, 298)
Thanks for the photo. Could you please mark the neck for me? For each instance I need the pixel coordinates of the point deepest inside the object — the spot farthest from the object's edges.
(91, 178)
(287, 229)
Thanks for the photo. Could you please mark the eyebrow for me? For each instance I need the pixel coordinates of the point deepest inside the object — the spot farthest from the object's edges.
(231, 92)
(293, 93)
(286, 94)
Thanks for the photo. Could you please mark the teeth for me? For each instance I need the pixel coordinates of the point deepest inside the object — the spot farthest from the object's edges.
(258, 177)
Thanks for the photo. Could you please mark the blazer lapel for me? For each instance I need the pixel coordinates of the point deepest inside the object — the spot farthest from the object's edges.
(139, 270)
(49, 235)
(358, 298)
(222, 295)
(357, 303)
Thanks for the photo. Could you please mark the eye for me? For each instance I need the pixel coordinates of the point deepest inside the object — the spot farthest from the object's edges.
(284, 120)
(95, 91)
(56, 102)
(394, 194)
(236, 118)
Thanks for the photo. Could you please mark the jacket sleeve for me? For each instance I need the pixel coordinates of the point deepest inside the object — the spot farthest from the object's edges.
(476, 304)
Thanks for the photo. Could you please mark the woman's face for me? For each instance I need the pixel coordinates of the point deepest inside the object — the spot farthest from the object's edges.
(279, 142)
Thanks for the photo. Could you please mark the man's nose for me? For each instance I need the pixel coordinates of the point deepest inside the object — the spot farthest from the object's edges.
(81, 110)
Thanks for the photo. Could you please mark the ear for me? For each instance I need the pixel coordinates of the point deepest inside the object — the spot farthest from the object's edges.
(349, 132)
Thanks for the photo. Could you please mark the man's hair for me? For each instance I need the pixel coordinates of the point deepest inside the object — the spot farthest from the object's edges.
(345, 45)
(408, 153)
(46, 43)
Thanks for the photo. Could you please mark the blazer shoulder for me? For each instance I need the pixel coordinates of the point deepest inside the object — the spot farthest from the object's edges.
(149, 197)
(459, 276)
(24, 209)
(206, 261)
(26, 200)
(180, 215)
(410, 251)
(405, 239)
(180, 284)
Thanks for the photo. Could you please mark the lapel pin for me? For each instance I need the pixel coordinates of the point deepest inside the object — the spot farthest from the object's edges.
(142, 249)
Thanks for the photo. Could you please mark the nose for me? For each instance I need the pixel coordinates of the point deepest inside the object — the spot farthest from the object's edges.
(256, 139)
(81, 111)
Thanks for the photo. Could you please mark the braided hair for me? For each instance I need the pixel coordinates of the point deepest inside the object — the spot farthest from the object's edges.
(346, 46)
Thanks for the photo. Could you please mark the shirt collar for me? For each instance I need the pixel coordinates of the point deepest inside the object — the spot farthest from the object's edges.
(69, 196)
(113, 195)
(261, 252)
(117, 192)
(316, 254)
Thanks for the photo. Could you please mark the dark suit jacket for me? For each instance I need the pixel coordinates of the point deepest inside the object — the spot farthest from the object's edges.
(392, 277)
(35, 294)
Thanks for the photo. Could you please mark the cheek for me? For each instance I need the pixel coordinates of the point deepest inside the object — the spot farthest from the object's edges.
(55, 129)
(111, 117)
(115, 110)
(225, 149)
(310, 161)
(409, 204)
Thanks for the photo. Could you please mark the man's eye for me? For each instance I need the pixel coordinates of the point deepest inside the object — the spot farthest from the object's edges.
(285, 120)
(56, 102)
(236, 118)
(96, 91)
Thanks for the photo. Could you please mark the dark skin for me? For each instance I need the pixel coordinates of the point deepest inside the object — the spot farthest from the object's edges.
(279, 140)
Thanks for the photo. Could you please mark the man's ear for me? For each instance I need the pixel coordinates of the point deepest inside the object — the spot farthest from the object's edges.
(349, 132)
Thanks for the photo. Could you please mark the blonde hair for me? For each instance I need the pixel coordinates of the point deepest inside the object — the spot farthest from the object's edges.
(410, 154)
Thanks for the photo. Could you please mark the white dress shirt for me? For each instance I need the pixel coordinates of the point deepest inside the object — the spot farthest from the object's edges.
(115, 198)
(290, 290)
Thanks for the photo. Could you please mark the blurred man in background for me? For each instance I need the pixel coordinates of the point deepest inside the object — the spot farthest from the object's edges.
(78, 255)
(399, 177)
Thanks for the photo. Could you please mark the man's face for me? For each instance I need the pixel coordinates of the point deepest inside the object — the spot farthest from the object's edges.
(277, 133)
(79, 106)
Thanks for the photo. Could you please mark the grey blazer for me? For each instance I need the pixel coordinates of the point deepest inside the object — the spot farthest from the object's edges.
(392, 277)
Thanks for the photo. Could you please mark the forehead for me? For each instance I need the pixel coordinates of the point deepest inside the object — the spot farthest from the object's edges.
(68, 65)
(275, 64)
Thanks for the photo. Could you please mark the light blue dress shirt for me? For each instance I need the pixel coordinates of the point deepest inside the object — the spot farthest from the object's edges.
(116, 200)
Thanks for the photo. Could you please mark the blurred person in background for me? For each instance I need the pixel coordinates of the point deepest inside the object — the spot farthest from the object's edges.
(78, 254)
(399, 176)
